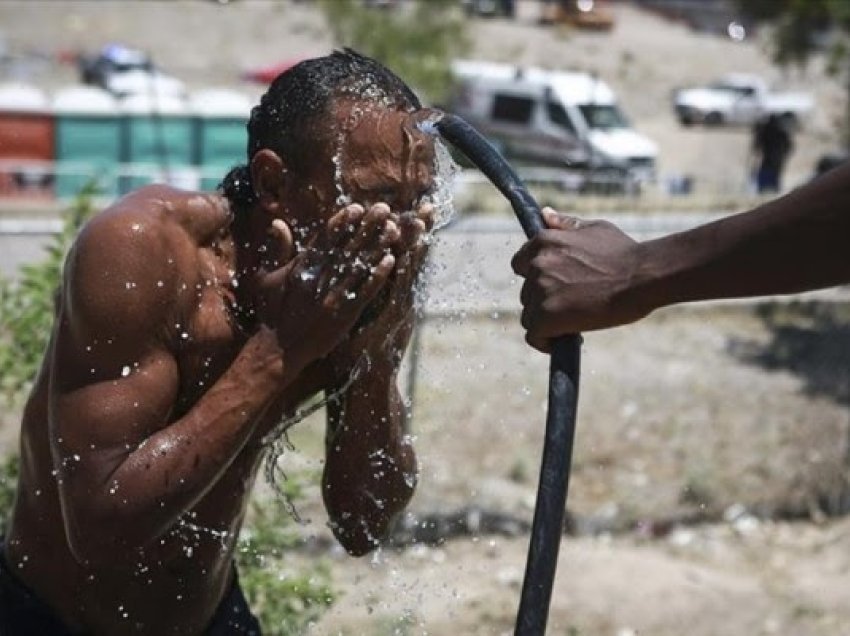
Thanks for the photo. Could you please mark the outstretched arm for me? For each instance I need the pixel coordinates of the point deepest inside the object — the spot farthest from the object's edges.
(581, 276)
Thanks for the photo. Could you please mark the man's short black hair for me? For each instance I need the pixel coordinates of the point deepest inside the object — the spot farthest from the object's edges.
(285, 119)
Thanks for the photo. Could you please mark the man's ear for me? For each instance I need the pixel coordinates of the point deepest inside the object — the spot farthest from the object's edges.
(268, 175)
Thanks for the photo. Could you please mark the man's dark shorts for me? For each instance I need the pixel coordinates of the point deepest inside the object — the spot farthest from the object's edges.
(22, 613)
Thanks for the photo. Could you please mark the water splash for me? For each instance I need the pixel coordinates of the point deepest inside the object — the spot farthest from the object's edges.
(442, 200)
(445, 173)
(278, 442)
(185, 526)
(365, 87)
(342, 198)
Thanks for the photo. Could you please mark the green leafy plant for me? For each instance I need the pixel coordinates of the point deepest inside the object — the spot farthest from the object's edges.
(417, 41)
(27, 303)
(285, 599)
(9, 468)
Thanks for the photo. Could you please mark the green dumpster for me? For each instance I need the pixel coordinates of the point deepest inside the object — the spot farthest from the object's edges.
(160, 143)
(88, 140)
(221, 117)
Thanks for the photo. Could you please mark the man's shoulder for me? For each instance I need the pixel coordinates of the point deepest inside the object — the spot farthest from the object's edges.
(153, 210)
(153, 225)
(132, 256)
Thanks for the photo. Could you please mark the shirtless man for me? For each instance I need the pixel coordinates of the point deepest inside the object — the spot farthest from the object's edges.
(187, 326)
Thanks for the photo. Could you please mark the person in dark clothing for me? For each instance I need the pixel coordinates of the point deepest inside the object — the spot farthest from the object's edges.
(771, 145)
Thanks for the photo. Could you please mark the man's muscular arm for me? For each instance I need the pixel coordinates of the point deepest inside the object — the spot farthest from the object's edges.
(129, 467)
(581, 276)
(370, 470)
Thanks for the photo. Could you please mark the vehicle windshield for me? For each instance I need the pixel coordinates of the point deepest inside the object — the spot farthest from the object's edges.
(740, 91)
(603, 116)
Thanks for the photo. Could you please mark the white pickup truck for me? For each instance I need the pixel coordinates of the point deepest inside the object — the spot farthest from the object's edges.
(739, 99)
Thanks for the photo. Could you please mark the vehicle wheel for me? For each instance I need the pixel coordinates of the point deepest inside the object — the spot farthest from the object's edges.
(686, 120)
(713, 119)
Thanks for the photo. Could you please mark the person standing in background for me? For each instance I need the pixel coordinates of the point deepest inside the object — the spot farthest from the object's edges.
(771, 146)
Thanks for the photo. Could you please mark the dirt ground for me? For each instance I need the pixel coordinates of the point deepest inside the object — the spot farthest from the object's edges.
(692, 414)
(787, 579)
(728, 413)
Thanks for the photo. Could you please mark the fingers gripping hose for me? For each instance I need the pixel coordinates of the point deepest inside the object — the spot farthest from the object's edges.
(548, 524)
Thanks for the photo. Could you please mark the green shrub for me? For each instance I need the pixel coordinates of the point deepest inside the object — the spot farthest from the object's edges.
(416, 41)
(9, 468)
(285, 599)
(26, 304)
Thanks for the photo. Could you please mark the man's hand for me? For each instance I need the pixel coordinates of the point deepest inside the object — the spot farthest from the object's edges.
(316, 297)
(387, 323)
(578, 277)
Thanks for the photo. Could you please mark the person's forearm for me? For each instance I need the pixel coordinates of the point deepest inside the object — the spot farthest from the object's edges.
(164, 476)
(370, 472)
(792, 244)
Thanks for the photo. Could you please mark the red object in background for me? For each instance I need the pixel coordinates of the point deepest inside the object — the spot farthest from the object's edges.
(27, 143)
(26, 136)
(70, 57)
(267, 74)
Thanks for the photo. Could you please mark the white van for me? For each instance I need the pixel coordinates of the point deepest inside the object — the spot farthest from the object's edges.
(552, 118)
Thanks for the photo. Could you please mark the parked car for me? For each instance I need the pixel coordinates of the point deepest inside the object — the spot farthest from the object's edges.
(125, 71)
(740, 99)
(557, 119)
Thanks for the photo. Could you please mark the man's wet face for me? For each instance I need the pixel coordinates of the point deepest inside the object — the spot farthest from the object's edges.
(368, 155)
(384, 157)
(377, 156)
(374, 155)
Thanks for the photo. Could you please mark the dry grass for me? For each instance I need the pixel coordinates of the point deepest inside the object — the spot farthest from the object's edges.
(696, 409)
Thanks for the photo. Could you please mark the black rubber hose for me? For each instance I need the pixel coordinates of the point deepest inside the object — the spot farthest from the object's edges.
(548, 524)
